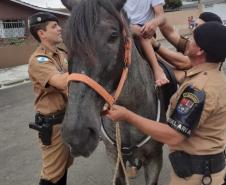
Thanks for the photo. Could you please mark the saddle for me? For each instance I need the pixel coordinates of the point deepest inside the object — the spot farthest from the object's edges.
(168, 89)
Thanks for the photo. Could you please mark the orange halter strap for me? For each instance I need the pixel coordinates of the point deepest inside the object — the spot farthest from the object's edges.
(97, 87)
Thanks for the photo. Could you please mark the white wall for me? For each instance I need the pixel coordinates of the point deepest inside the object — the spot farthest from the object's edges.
(219, 9)
(1, 29)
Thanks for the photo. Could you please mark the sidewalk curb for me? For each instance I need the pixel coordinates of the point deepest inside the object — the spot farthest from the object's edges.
(13, 83)
(13, 76)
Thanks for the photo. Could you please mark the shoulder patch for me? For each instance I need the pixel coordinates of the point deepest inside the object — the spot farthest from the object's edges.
(187, 113)
(42, 59)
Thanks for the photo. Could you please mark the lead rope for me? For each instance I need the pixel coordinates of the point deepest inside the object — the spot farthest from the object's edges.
(119, 155)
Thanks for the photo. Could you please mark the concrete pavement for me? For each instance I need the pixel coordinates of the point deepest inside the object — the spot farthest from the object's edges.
(13, 76)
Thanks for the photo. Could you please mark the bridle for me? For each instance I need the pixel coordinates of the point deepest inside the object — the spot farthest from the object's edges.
(110, 99)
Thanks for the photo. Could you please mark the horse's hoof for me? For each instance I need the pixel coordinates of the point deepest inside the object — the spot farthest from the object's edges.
(131, 172)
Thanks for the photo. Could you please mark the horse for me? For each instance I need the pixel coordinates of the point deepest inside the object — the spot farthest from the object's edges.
(95, 38)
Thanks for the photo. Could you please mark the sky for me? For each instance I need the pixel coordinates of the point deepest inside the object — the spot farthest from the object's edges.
(45, 3)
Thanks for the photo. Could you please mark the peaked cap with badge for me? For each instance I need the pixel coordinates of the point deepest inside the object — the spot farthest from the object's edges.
(41, 17)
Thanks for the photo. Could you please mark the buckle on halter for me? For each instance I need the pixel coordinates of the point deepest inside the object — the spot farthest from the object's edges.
(126, 151)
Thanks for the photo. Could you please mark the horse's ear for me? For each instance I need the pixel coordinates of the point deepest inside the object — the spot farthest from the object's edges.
(119, 4)
(69, 4)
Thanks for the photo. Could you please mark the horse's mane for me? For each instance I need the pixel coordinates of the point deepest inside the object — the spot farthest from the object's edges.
(80, 27)
(82, 24)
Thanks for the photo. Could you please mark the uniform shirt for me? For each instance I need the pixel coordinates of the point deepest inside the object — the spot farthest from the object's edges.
(141, 11)
(209, 137)
(43, 64)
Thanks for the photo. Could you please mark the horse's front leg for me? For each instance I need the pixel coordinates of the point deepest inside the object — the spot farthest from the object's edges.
(152, 170)
(120, 179)
(112, 156)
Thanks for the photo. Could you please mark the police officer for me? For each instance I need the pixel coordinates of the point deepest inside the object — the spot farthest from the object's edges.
(196, 119)
(177, 59)
(48, 73)
(178, 40)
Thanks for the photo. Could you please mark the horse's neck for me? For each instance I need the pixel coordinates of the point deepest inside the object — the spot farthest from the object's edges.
(139, 93)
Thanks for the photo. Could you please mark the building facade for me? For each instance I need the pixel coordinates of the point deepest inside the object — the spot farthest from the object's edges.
(14, 17)
(14, 30)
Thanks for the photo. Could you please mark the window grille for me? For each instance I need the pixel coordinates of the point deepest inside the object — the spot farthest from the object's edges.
(12, 28)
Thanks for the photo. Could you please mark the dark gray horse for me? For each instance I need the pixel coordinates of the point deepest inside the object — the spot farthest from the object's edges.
(96, 48)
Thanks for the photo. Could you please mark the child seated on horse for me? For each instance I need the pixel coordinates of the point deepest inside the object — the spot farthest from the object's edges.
(145, 16)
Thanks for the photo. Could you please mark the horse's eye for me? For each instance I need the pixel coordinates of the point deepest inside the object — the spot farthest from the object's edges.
(113, 37)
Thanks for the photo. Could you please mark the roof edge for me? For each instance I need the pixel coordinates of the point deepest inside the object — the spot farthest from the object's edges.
(39, 8)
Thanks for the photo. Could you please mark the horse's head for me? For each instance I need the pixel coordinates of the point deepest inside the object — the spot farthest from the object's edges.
(95, 41)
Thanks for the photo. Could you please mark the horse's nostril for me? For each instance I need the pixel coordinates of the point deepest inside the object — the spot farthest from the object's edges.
(92, 132)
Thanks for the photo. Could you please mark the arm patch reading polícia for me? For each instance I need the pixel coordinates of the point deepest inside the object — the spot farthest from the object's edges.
(188, 110)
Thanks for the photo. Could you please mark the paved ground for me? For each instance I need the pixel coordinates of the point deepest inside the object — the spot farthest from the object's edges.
(20, 156)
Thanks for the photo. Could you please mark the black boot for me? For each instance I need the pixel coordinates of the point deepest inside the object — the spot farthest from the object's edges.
(45, 182)
(224, 180)
(63, 180)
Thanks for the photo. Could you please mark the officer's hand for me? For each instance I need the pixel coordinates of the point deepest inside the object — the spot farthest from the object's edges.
(117, 113)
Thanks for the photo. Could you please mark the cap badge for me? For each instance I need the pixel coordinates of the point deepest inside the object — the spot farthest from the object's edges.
(39, 19)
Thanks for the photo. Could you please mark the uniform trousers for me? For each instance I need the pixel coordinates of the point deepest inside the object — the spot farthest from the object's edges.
(56, 157)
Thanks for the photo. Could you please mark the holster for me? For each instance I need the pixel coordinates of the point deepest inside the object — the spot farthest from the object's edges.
(185, 165)
(181, 164)
(44, 124)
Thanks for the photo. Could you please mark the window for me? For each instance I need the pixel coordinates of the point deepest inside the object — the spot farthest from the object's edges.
(12, 28)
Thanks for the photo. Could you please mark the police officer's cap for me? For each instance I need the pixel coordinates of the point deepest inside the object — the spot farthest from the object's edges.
(209, 16)
(211, 37)
(41, 17)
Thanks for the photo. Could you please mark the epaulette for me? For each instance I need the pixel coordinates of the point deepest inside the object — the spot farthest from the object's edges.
(200, 80)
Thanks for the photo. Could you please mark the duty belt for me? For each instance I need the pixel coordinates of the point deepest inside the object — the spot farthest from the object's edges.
(215, 163)
(185, 165)
(54, 118)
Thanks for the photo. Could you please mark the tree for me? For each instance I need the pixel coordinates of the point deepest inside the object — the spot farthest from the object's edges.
(173, 4)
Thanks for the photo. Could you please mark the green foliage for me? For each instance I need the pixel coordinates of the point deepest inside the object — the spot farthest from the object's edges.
(173, 4)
